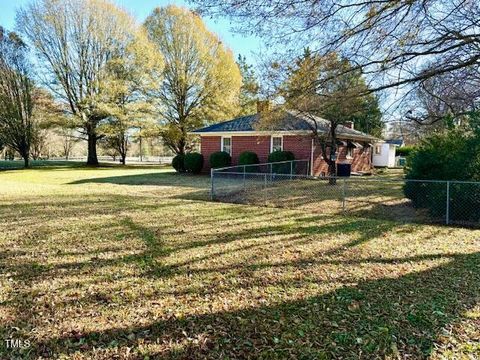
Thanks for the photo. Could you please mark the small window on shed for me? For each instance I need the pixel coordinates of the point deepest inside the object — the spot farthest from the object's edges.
(277, 143)
(378, 149)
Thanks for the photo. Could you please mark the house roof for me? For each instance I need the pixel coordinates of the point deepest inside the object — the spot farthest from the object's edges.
(291, 122)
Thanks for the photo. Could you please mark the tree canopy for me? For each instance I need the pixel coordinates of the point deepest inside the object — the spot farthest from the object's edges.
(343, 98)
(249, 92)
(16, 95)
(200, 81)
(75, 40)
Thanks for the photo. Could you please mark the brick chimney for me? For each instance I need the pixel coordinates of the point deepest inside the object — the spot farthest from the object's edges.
(348, 124)
(263, 105)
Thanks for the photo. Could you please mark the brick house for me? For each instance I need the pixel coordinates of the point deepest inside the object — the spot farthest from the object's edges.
(293, 134)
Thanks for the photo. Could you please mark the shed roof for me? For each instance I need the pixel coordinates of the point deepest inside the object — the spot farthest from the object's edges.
(398, 142)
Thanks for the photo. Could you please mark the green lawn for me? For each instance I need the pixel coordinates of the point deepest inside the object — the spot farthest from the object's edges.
(136, 263)
(19, 164)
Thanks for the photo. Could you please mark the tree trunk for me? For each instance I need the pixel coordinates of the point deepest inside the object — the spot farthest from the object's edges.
(122, 160)
(26, 161)
(92, 158)
(332, 172)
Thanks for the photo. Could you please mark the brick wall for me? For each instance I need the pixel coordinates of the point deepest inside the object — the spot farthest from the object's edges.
(361, 161)
(209, 145)
(258, 144)
(298, 144)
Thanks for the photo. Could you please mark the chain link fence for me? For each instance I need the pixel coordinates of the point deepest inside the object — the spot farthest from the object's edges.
(288, 184)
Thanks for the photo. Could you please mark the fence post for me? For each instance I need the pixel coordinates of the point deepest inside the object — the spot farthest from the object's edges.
(212, 189)
(244, 178)
(344, 195)
(291, 169)
(265, 190)
(447, 220)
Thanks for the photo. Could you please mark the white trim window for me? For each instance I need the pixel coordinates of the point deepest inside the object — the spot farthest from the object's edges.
(276, 143)
(350, 152)
(378, 149)
(227, 144)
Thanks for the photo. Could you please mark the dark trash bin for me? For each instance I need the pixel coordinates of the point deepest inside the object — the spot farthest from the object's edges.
(344, 170)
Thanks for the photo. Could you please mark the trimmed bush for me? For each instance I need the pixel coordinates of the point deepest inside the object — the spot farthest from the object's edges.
(404, 151)
(193, 163)
(248, 158)
(177, 163)
(220, 159)
(278, 156)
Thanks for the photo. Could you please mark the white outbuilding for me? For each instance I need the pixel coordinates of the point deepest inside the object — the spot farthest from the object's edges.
(384, 153)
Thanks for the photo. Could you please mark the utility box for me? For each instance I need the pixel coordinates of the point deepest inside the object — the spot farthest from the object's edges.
(344, 170)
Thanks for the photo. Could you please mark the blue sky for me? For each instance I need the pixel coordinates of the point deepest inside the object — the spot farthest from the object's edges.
(141, 9)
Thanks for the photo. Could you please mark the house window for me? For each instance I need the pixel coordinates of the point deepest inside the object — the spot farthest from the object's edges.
(378, 150)
(227, 145)
(350, 152)
(277, 143)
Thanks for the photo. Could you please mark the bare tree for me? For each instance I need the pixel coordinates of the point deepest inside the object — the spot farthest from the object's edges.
(68, 140)
(398, 44)
(16, 95)
(447, 97)
(75, 40)
(38, 141)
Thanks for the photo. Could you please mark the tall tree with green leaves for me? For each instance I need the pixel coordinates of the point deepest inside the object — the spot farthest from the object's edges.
(249, 91)
(74, 41)
(369, 117)
(16, 95)
(128, 81)
(200, 80)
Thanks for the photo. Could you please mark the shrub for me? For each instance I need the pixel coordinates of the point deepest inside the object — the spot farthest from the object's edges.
(278, 156)
(248, 158)
(193, 163)
(404, 151)
(177, 163)
(220, 159)
(453, 155)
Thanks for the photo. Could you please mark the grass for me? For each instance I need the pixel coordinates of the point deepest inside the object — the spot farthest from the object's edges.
(19, 164)
(135, 263)
(381, 196)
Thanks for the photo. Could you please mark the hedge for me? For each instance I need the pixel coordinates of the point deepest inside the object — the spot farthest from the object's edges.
(177, 163)
(404, 151)
(193, 163)
(220, 159)
(249, 158)
(278, 156)
(446, 156)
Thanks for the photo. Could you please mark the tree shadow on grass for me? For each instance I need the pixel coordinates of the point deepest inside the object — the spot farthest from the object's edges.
(368, 319)
(159, 179)
(400, 317)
